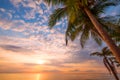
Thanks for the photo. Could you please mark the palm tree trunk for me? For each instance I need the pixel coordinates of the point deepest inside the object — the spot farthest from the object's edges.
(112, 69)
(114, 49)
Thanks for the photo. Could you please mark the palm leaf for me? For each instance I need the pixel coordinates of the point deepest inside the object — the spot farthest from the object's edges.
(96, 38)
(73, 10)
(113, 66)
(56, 16)
(106, 65)
(84, 36)
(106, 51)
(96, 54)
(54, 2)
(101, 5)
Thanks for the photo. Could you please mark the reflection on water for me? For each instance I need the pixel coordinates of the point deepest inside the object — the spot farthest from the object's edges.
(38, 77)
(56, 76)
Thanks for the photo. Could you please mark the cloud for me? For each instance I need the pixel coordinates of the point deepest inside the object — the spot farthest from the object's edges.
(35, 12)
(33, 16)
(4, 25)
(30, 64)
(5, 14)
(16, 25)
(14, 48)
(75, 70)
(25, 3)
(50, 48)
(15, 68)
(90, 71)
(19, 43)
(31, 8)
(57, 63)
(16, 2)
(30, 15)
(35, 47)
(2, 10)
(34, 42)
(22, 26)
(51, 71)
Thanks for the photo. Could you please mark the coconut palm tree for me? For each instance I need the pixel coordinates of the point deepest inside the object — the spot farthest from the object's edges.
(108, 60)
(82, 17)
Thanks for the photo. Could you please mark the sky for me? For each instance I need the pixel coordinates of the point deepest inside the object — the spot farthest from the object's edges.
(28, 45)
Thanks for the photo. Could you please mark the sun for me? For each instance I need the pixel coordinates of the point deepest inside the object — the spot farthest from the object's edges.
(40, 62)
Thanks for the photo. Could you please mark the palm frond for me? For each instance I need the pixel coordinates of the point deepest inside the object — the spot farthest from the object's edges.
(84, 2)
(54, 2)
(84, 36)
(96, 37)
(73, 10)
(110, 21)
(106, 51)
(106, 65)
(116, 35)
(56, 16)
(96, 54)
(101, 5)
(72, 31)
(113, 59)
(113, 66)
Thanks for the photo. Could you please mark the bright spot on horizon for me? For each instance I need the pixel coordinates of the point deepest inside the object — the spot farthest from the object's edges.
(40, 62)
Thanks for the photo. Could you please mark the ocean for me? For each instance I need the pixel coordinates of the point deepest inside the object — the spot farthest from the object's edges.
(56, 76)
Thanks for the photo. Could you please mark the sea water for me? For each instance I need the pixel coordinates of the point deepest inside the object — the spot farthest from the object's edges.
(56, 76)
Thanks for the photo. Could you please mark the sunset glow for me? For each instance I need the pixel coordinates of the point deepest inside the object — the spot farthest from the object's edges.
(28, 45)
(40, 62)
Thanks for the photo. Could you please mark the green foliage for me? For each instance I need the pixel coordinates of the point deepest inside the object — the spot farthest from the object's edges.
(54, 2)
(111, 24)
(79, 23)
(96, 37)
(56, 16)
(84, 36)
